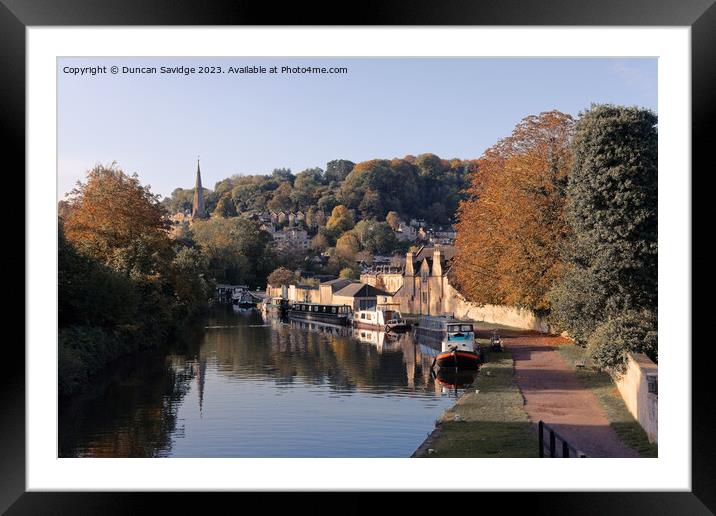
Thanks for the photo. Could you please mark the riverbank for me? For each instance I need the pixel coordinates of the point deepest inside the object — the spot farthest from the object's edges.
(86, 353)
(488, 420)
(535, 379)
(601, 384)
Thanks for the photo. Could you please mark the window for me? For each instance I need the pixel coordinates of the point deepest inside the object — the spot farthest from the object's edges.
(366, 304)
(425, 297)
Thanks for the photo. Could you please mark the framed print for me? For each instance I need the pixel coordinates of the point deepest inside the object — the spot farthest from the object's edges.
(413, 253)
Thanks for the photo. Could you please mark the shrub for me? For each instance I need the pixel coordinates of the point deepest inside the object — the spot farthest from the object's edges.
(631, 331)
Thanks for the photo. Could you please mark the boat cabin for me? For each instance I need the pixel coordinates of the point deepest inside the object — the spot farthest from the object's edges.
(322, 309)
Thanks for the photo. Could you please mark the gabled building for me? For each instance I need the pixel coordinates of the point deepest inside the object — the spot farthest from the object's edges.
(328, 288)
(420, 286)
(360, 296)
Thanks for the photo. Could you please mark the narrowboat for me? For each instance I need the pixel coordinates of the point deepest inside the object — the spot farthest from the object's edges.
(381, 319)
(456, 338)
(243, 298)
(331, 314)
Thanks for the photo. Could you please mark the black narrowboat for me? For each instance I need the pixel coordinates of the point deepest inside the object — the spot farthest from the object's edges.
(331, 314)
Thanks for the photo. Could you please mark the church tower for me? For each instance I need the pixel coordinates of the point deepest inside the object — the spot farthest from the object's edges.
(197, 209)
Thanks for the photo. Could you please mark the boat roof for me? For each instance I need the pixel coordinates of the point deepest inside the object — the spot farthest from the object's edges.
(317, 304)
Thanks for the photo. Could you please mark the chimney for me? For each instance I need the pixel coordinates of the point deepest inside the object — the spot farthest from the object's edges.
(409, 263)
(437, 266)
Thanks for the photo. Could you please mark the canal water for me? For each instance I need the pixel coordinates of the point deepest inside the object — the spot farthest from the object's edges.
(248, 387)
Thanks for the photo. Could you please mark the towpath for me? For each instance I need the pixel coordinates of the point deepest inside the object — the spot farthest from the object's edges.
(554, 394)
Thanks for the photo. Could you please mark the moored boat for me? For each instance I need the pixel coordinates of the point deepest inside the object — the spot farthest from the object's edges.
(243, 298)
(332, 314)
(382, 318)
(457, 341)
(275, 306)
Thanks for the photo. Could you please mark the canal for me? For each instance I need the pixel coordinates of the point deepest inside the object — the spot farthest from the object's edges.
(243, 386)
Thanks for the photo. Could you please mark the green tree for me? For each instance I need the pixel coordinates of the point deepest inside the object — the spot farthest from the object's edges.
(337, 170)
(612, 211)
(631, 330)
(236, 248)
(375, 237)
(225, 207)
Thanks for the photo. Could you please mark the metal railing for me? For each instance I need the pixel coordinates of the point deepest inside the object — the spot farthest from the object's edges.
(563, 450)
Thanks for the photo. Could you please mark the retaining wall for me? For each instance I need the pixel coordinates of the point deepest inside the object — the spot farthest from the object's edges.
(640, 399)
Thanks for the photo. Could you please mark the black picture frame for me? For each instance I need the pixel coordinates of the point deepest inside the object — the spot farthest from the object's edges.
(16, 15)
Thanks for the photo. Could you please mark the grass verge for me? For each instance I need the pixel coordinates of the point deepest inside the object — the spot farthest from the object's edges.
(626, 427)
(488, 420)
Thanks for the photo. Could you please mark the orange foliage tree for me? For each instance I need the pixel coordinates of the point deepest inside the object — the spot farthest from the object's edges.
(511, 226)
(114, 219)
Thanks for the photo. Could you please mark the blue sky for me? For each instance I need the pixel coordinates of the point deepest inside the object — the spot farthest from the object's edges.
(156, 125)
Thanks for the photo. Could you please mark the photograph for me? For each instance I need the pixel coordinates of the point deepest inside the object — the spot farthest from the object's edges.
(278, 252)
(357, 257)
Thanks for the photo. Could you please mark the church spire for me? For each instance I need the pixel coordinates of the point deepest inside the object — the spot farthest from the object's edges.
(197, 209)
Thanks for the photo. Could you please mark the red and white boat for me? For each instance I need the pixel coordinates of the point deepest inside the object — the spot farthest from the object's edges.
(457, 341)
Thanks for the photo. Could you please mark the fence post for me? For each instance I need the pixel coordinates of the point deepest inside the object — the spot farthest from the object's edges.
(541, 439)
(565, 449)
(551, 443)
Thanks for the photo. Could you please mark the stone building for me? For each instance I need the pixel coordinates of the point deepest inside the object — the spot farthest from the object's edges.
(421, 285)
(291, 238)
(360, 296)
(425, 289)
(385, 277)
(328, 288)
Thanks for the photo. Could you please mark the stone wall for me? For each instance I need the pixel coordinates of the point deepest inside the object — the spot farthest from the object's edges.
(634, 388)
(456, 304)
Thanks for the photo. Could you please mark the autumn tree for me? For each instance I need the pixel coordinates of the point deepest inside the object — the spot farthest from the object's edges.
(350, 273)
(512, 225)
(341, 220)
(281, 276)
(115, 220)
(347, 246)
(319, 243)
(123, 284)
(281, 200)
(393, 220)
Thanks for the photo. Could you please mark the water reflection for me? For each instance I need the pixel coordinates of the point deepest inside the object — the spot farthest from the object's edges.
(254, 387)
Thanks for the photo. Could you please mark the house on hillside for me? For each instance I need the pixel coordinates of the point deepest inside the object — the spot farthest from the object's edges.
(291, 238)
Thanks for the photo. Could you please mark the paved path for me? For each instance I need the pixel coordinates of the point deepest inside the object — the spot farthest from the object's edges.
(554, 394)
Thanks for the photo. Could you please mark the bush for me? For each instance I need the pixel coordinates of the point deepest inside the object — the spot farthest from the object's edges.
(631, 331)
